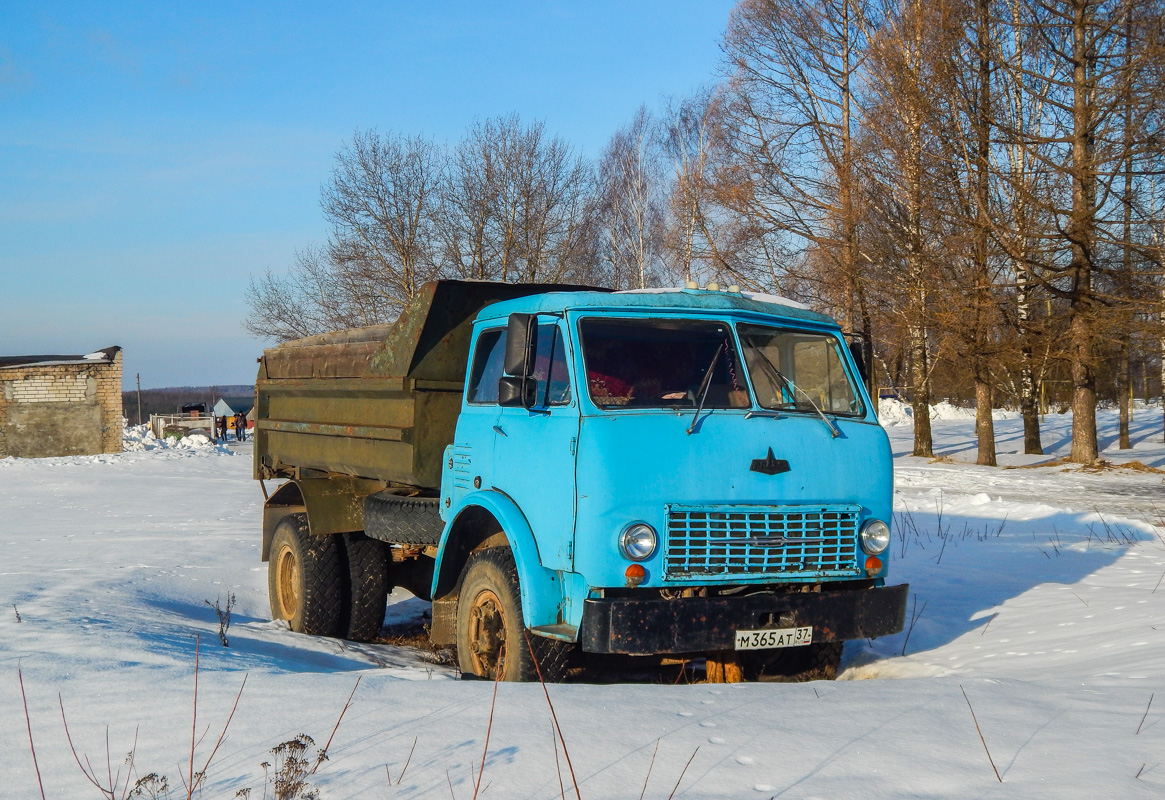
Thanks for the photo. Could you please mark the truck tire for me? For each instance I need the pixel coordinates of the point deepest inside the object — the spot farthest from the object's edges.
(491, 633)
(400, 519)
(305, 578)
(813, 662)
(367, 587)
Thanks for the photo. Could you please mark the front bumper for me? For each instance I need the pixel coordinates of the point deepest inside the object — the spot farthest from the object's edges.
(652, 626)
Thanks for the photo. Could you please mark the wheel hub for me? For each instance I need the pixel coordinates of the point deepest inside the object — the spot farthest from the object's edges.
(288, 576)
(487, 635)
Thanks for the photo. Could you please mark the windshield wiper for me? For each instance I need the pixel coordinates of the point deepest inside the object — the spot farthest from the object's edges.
(772, 368)
(704, 386)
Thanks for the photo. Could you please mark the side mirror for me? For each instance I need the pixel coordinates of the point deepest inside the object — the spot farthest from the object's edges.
(518, 387)
(516, 392)
(521, 345)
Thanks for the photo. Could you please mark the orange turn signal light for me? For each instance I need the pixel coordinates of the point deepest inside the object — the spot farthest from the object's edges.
(635, 575)
(873, 565)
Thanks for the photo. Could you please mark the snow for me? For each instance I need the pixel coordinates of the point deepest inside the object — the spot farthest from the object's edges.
(1037, 591)
(760, 297)
(137, 438)
(892, 411)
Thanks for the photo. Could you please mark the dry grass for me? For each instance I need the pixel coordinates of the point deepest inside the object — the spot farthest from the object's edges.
(415, 636)
(1100, 465)
(1053, 462)
(1108, 466)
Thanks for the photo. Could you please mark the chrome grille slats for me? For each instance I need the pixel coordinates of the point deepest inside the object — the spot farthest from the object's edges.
(738, 542)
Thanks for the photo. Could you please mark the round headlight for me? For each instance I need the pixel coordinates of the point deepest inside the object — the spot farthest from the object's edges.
(875, 536)
(638, 541)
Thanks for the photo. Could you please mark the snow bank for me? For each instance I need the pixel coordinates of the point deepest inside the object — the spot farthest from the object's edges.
(136, 438)
(892, 411)
(139, 438)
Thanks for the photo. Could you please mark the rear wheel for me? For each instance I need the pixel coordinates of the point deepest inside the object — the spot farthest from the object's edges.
(305, 578)
(491, 633)
(367, 587)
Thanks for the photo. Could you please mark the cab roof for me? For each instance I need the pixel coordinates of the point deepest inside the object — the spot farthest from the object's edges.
(670, 300)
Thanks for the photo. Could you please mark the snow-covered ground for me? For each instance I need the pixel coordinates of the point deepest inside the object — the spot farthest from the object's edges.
(1038, 592)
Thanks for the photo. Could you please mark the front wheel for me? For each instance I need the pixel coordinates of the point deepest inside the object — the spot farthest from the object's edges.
(491, 633)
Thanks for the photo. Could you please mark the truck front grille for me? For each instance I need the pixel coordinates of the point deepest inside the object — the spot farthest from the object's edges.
(726, 542)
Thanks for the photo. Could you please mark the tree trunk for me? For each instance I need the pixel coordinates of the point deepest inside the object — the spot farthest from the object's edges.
(984, 423)
(1029, 407)
(1084, 447)
(1082, 235)
(920, 392)
(1123, 389)
(1028, 401)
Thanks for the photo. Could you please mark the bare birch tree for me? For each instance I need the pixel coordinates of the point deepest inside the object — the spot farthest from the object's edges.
(516, 206)
(792, 110)
(382, 204)
(629, 203)
(695, 240)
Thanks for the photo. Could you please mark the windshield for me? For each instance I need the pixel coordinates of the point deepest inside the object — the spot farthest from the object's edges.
(662, 363)
(795, 371)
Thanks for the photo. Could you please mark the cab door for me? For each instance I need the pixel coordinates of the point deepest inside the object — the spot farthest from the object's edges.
(534, 449)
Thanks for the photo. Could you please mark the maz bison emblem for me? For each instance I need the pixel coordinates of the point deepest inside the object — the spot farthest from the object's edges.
(769, 465)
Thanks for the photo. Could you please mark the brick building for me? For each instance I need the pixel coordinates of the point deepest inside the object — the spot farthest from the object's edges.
(60, 405)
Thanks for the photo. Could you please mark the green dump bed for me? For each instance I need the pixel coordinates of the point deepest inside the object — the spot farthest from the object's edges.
(379, 402)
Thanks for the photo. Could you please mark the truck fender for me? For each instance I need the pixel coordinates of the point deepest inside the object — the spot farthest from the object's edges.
(540, 588)
(284, 501)
(332, 505)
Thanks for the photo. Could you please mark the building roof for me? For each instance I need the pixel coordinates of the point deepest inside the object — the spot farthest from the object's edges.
(237, 404)
(103, 356)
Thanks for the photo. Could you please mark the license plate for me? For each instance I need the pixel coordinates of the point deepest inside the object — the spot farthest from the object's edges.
(774, 637)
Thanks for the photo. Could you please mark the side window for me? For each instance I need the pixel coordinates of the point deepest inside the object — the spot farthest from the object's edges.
(488, 361)
(821, 375)
(550, 369)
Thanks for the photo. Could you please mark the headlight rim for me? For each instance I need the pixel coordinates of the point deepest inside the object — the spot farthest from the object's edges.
(866, 535)
(625, 534)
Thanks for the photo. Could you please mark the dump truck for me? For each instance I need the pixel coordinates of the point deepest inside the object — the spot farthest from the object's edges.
(687, 473)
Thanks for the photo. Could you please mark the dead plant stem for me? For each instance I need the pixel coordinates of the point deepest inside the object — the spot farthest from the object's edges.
(553, 716)
(323, 754)
(649, 766)
(980, 732)
(193, 723)
(682, 773)
(557, 763)
(488, 727)
(401, 777)
(28, 724)
(1146, 714)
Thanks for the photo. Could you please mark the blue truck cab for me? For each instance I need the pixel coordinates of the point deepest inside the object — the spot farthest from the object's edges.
(674, 472)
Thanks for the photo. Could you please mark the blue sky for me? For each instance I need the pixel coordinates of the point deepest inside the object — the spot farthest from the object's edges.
(154, 156)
